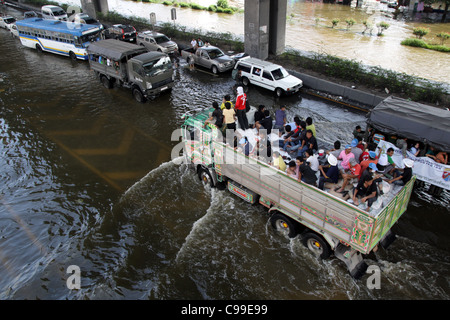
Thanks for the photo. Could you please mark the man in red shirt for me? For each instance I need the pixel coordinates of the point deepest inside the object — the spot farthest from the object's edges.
(353, 172)
(241, 101)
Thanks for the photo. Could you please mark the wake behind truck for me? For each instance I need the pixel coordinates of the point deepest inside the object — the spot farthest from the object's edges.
(327, 224)
(125, 64)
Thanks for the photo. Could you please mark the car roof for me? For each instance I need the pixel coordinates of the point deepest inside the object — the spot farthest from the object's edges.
(152, 33)
(260, 63)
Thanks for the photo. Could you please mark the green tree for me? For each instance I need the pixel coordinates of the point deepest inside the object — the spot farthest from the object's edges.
(443, 36)
(382, 26)
(222, 4)
(334, 22)
(420, 32)
(350, 22)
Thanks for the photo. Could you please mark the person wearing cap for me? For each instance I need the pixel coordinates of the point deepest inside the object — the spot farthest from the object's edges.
(240, 105)
(332, 173)
(372, 159)
(355, 150)
(370, 170)
(402, 178)
(345, 156)
(366, 191)
(353, 172)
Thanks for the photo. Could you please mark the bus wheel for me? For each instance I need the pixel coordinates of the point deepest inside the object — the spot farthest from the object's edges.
(316, 244)
(38, 48)
(137, 94)
(205, 177)
(106, 82)
(284, 225)
(72, 55)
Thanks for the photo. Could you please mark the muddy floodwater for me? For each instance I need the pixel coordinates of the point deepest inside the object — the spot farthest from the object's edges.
(87, 180)
(308, 28)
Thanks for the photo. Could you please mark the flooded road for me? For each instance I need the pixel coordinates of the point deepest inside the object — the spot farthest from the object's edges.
(308, 28)
(87, 179)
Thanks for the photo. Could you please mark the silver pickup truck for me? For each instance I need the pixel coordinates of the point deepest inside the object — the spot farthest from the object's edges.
(209, 57)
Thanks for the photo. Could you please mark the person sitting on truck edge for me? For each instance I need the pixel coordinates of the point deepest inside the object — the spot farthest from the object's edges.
(353, 172)
(278, 161)
(402, 177)
(311, 126)
(216, 114)
(266, 122)
(440, 157)
(332, 173)
(305, 173)
(229, 116)
(226, 98)
(415, 149)
(366, 189)
(241, 101)
(296, 140)
(292, 170)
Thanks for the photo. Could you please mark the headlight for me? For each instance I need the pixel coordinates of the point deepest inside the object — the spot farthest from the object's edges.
(149, 85)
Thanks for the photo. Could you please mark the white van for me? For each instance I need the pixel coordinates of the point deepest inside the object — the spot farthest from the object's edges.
(267, 75)
(53, 13)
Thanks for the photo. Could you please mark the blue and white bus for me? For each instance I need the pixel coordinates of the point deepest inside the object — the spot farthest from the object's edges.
(60, 37)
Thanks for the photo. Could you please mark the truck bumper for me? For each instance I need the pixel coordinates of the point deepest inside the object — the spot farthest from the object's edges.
(160, 89)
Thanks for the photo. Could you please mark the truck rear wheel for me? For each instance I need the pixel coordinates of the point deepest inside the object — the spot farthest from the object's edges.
(106, 82)
(284, 225)
(138, 95)
(316, 244)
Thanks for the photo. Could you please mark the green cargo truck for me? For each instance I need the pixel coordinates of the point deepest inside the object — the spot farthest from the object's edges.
(327, 224)
(115, 62)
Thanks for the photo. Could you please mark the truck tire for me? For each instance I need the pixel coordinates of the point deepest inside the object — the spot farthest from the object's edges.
(205, 177)
(214, 69)
(138, 95)
(316, 244)
(245, 81)
(106, 82)
(284, 224)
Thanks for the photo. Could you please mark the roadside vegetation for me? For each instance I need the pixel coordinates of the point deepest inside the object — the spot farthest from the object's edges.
(419, 42)
(221, 6)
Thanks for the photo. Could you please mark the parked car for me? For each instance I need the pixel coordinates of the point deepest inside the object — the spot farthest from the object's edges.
(30, 14)
(267, 75)
(122, 32)
(209, 57)
(14, 31)
(86, 19)
(52, 12)
(155, 41)
(6, 22)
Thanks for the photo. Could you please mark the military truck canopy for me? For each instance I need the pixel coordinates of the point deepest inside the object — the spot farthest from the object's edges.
(114, 49)
(412, 120)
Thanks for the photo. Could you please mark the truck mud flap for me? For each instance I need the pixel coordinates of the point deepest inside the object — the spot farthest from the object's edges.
(242, 192)
(353, 259)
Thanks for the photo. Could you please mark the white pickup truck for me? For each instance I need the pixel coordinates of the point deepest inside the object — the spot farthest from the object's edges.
(267, 75)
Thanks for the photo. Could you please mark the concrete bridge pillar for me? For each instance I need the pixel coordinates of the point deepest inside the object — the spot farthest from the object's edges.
(91, 7)
(264, 27)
